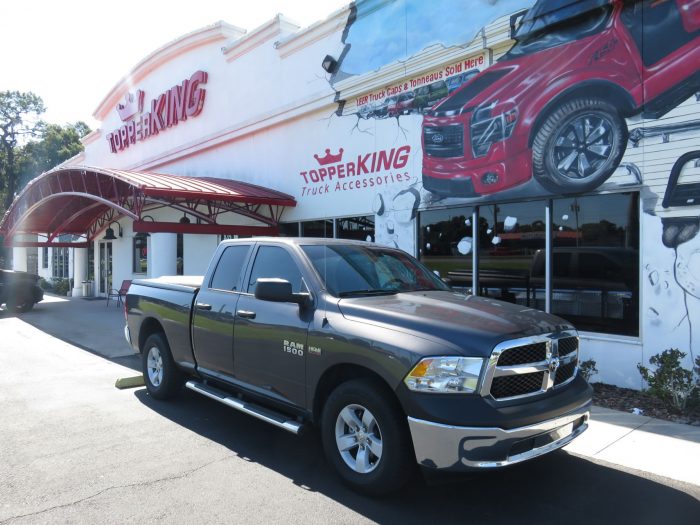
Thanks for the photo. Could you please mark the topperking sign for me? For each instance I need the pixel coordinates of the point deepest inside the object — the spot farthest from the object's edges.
(177, 104)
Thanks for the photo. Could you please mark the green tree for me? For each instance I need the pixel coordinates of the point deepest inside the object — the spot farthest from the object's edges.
(56, 145)
(19, 121)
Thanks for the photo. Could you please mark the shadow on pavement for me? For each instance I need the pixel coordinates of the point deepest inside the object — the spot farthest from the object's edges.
(559, 488)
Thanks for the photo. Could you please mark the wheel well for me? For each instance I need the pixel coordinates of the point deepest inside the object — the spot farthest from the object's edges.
(338, 374)
(607, 91)
(148, 327)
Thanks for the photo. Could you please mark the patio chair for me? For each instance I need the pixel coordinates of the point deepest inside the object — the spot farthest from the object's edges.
(119, 294)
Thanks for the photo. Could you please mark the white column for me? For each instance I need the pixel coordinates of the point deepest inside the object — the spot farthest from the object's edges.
(19, 259)
(80, 257)
(197, 251)
(162, 254)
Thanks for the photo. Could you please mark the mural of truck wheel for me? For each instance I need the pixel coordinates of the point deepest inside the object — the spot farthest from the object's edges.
(578, 146)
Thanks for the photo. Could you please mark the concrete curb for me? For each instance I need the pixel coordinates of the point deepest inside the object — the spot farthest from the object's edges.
(130, 382)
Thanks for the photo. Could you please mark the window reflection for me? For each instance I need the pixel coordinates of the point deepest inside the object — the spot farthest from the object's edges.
(595, 276)
(446, 245)
(358, 228)
(511, 239)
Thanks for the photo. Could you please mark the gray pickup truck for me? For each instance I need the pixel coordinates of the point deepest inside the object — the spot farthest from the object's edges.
(370, 346)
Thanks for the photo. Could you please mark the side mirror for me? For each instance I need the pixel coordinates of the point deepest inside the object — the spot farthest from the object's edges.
(279, 291)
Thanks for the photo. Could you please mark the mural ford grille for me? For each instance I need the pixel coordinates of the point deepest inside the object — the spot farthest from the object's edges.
(531, 366)
(444, 141)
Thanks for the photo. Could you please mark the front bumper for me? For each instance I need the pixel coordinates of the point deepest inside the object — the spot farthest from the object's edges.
(456, 448)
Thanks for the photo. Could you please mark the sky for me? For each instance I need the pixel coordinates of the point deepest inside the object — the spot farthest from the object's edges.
(72, 52)
(385, 32)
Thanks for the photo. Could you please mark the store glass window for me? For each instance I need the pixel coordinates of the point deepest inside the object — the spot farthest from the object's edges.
(59, 263)
(180, 261)
(140, 253)
(595, 263)
(446, 244)
(322, 228)
(512, 237)
(91, 262)
(44, 257)
(289, 229)
(357, 228)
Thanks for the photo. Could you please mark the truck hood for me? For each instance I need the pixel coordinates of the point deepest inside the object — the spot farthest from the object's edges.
(509, 80)
(474, 325)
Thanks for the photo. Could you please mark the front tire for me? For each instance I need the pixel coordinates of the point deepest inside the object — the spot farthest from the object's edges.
(365, 437)
(162, 377)
(578, 146)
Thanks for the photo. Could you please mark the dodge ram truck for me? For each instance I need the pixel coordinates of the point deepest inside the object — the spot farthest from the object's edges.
(369, 346)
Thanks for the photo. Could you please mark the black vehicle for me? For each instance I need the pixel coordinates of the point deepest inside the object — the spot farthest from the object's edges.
(19, 291)
(369, 345)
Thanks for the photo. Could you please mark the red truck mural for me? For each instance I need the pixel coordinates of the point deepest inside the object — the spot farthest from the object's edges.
(554, 106)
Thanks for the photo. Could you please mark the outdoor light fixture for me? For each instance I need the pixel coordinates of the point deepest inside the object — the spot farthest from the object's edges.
(109, 232)
(184, 219)
(152, 220)
(329, 64)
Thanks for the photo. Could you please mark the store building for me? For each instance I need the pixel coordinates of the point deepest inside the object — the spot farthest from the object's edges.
(538, 154)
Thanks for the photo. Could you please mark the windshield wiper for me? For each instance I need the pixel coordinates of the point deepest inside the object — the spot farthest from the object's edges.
(367, 292)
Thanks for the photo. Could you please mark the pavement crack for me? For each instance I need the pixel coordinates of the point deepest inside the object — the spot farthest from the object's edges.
(621, 437)
(180, 475)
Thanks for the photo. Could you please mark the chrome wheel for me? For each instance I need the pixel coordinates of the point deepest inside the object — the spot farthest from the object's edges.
(584, 146)
(358, 438)
(154, 366)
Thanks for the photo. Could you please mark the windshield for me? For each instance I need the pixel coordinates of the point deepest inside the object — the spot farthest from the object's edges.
(537, 35)
(349, 269)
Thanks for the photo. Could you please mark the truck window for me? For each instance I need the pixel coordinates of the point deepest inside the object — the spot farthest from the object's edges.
(348, 269)
(558, 32)
(656, 28)
(228, 270)
(275, 262)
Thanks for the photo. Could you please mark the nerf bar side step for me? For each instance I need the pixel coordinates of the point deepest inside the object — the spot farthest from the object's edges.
(264, 414)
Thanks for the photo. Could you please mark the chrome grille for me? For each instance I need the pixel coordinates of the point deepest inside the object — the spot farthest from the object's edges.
(523, 354)
(564, 372)
(510, 386)
(531, 366)
(568, 345)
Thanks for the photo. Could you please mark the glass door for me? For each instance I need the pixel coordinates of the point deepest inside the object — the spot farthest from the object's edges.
(105, 267)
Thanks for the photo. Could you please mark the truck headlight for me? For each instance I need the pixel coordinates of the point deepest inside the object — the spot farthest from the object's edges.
(445, 375)
(491, 123)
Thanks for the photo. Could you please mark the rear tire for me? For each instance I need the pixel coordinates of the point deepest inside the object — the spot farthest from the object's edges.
(160, 373)
(578, 146)
(365, 437)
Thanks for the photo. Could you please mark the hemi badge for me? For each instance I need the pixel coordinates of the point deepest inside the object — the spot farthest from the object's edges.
(314, 350)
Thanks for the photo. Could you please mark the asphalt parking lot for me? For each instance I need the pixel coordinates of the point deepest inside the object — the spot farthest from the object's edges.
(76, 449)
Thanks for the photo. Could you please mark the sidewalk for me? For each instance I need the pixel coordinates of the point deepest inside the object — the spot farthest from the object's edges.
(636, 442)
(642, 443)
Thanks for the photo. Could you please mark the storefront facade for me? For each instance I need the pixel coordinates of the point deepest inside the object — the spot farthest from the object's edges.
(538, 154)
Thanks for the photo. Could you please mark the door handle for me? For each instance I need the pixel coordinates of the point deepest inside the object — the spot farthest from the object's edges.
(203, 306)
(246, 314)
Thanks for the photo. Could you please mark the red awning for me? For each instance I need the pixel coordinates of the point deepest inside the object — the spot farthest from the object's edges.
(81, 200)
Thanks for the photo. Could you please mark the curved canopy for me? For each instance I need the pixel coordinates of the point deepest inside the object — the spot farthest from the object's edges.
(82, 201)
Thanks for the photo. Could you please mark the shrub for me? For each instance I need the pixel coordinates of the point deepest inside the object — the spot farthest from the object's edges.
(669, 382)
(61, 286)
(45, 285)
(587, 369)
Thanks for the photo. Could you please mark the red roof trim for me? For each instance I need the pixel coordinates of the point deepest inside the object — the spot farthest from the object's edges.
(55, 202)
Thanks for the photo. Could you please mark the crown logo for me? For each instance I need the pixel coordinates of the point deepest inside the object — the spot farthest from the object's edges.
(131, 105)
(329, 158)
